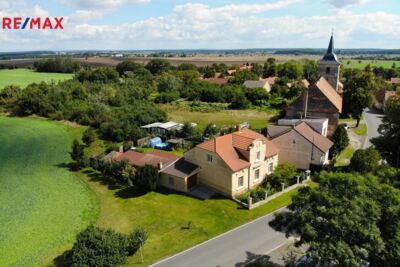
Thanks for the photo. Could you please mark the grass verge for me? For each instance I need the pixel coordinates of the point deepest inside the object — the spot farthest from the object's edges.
(361, 130)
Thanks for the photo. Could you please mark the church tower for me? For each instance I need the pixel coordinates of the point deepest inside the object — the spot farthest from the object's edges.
(329, 67)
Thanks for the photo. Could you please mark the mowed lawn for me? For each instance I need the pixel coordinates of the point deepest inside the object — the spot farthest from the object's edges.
(43, 205)
(166, 215)
(24, 77)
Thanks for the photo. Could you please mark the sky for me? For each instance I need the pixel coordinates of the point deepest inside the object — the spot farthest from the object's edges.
(210, 24)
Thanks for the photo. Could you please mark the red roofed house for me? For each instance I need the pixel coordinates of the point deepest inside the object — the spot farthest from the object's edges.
(234, 163)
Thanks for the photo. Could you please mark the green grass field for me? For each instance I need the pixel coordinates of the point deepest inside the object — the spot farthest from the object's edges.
(225, 118)
(24, 77)
(43, 205)
(361, 64)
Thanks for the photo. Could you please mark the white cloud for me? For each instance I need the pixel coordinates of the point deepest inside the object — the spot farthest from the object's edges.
(231, 26)
(81, 16)
(101, 4)
(345, 3)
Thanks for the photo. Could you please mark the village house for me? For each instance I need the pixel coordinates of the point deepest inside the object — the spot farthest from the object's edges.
(229, 164)
(234, 163)
(300, 145)
(381, 97)
(258, 84)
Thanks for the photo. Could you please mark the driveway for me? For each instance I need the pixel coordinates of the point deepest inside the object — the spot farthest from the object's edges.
(234, 248)
(373, 119)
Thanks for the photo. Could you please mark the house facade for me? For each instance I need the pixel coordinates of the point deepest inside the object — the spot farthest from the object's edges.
(300, 145)
(234, 163)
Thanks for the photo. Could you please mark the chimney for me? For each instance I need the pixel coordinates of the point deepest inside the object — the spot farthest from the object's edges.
(160, 165)
(121, 148)
(238, 127)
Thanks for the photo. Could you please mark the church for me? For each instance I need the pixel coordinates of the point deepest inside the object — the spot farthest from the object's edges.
(323, 98)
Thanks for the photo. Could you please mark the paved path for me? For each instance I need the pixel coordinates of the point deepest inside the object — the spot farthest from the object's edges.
(373, 119)
(234, 248)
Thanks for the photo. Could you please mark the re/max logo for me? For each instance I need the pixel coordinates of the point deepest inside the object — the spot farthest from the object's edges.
(19, 23)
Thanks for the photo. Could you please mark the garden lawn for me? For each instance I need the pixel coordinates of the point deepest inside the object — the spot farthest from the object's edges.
(166, 214)
(43, 205)
(345, 156)
(361, 129)
(24, 77)
(225, 118)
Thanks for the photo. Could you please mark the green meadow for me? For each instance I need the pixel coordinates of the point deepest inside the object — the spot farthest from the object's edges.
(361, 64)
(43, 205)
(24, 77)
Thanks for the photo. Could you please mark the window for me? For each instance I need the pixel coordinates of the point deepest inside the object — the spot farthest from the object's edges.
(328, 70)
(240, 181)
(270, 167)
(258, 156)
(209, 158)
(257, 174)
(171, 180)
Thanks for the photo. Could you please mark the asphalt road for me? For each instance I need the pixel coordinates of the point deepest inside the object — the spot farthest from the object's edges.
(373, 119)
(234, 248)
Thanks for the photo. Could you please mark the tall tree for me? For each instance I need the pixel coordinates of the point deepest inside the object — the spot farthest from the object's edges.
(358, 94)
(388, 143)
(348, 220)
(340, 140)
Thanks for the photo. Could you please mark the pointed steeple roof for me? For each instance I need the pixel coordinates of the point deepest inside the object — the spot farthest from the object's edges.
(330, 53)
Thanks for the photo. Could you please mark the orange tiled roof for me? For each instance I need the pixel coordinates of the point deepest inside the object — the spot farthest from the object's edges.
(225, 146)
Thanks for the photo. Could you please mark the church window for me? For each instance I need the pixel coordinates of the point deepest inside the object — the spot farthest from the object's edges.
(328, 70)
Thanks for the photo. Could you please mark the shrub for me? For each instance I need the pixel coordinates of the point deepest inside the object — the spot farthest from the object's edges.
(99, 247)
(147, 178)
(365, 160)
(88, 136)
(284, 173)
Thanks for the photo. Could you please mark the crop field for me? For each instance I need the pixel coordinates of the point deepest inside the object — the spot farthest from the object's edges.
(43, 205)
(361, 64)
(24, 77)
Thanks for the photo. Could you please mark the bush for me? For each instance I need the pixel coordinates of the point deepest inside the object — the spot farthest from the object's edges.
(147, 178)
(88, 136)
(284, 173)
(365, 160)
(99, 247)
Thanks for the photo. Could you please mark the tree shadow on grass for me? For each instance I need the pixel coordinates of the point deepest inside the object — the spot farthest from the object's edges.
(64, 260)
(130, 192)
(96, 176)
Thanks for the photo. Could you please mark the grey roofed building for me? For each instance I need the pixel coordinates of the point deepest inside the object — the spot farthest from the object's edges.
(181, 168)
(163, 127)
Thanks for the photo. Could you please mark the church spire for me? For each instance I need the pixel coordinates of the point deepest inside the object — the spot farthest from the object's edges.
(330, 53)
(331, 48)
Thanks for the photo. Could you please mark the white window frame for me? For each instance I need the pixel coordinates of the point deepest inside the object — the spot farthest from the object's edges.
(258, 156)
(241, 178)
(270, 167)
(255, 175)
